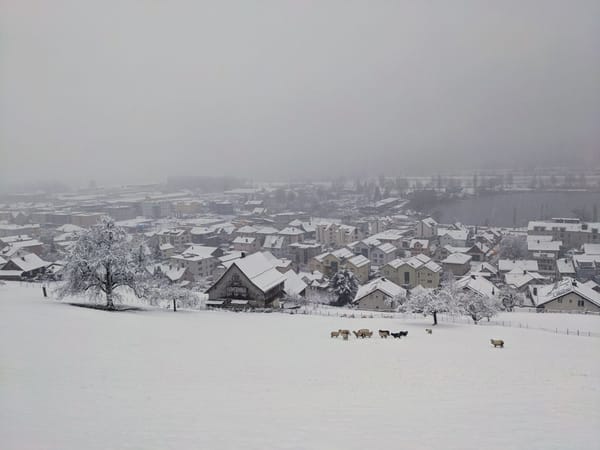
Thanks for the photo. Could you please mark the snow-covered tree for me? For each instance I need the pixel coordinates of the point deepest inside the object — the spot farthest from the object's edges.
(161, 293)
(343, 285)
(479, 306)
(510, 298)
(513, 247)
(431, 302)
(103, 259)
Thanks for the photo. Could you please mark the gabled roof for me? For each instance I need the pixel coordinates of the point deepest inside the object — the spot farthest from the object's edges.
(244, 240)
(506, 265)
(416, 262)
(291, 231)
(359, 261)
(29, 262)
(479, 285)
(386, 248)
(293, 285)
(379, 284)
(259, 270)
(457, 258)
(548, 293)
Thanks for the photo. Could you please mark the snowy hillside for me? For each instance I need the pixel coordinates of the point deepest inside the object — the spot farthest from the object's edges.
(74, 378)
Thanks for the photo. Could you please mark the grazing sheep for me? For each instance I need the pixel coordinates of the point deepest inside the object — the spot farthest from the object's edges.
(497, 343)
(384, 334)
(335, 334)
(404, 333)
(397, 335)
(428, 330)
(345, 334)
(363, 333)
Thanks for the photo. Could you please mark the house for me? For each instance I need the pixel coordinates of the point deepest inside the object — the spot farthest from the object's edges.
(484, 269)
(29, 265)
(166, 250)
(302, 253)
(251, 281)
(507, 265)
(454, 238)
(275, 244)
(418, 246)
(329, 263)
(360, 267)
(199, 260)
(173, 273)
(336, 235)
(19, 247)
(383, 254)
(177, 237)
(457, 263)
(565, 268)
(426, 228)
(378, 295)
(246, 244)
(478, 252)
(478, 285)
(519, 279)
(587, 267)
(545, 252)
(565, 295)
(414, 271)
(573, 233)
(293, 235)
(294, 286)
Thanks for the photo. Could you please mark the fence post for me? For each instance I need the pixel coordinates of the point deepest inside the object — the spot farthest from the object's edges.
(577, 332)
(567, 331)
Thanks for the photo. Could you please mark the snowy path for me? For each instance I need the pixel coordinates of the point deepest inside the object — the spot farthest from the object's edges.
(72, 378)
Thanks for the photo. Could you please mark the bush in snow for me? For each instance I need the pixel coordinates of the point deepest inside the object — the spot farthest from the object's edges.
(103, 259)
(160, 293)
(431, 302)
(343, 285)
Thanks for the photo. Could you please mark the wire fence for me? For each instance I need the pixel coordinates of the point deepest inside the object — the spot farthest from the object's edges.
(321, 310)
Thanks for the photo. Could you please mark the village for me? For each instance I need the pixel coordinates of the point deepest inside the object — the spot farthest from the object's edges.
(282, 246)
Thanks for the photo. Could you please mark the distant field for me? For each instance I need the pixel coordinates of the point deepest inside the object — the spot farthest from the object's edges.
(74, 378)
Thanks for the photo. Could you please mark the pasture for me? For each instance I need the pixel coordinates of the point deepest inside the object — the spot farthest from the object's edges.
(73, 378)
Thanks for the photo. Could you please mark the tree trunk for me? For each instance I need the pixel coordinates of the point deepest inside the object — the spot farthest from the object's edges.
(435, 317)
(174, 305)
(109, 293)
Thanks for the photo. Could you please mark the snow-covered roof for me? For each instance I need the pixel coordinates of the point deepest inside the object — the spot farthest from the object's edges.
(380, 284)
(69, 228)
(484, 267)
(565, 266)
(387, 248)
(165, 247)
(293, 284)
(480, 285)
(342, 253)
(506, 265)
(291, 231)
(172, 272)
(547, 293)
(358, 261)
(543, 246)
(430, 221)
(424, 243)
(451, 249)
(416, 262)
(259, 270)
(201, 250)
(244, 240)
(29, 262)
(457, 258)
(247, 229)
(274, 242)
(591, 249)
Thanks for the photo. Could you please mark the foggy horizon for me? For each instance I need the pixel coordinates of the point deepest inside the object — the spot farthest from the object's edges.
(134, 92)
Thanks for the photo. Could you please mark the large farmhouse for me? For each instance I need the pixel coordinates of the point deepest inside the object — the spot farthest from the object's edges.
(251, 281)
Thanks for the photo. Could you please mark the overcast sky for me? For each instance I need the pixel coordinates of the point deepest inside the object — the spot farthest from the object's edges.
(134, 91)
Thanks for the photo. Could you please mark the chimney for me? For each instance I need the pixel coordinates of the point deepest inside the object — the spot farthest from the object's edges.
(473, 277)
(243, 254)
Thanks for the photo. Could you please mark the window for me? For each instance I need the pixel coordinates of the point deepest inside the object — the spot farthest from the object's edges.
(560, 300)
(580, 303)
(406, 277)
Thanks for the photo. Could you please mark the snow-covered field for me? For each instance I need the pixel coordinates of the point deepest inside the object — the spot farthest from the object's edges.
(74, 378)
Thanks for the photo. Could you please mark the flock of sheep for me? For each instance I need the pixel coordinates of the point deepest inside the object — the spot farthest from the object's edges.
(384, 334)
